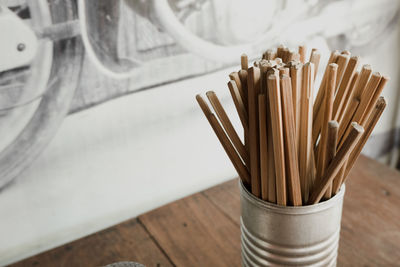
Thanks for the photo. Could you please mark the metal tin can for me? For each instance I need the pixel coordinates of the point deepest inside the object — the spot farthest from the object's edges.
(274, 235)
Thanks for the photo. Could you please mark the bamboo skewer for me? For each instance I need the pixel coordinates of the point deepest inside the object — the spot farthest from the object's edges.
(336, 163)
(277, 135)
(327, 108)
(292, 169)
(227, 145)
(305, 145)
(262, 111)
(253, 87)
(333, 128)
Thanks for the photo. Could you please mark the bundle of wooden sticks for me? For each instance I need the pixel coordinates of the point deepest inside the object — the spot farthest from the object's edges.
(297, 151)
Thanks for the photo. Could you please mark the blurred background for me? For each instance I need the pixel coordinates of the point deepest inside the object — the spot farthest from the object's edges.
(97, 111)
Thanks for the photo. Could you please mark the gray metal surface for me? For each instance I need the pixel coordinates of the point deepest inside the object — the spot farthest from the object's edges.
(289, 236)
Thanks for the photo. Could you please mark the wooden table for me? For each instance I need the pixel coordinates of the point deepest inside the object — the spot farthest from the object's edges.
(203, 229)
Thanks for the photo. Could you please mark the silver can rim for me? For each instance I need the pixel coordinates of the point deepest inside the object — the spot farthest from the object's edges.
(293, 210)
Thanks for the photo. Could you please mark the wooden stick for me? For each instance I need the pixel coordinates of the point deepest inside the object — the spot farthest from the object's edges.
(243, 81)
(269, 54)
(315, 57)
(235, 77)
(342, 62)
(271, 161)
(379, 107)
(244, 62)
(291, 160)
(365, 99)
(262, 115)
(320, 96)
(283, 71)
(305, 145)
(333, 128)
(280, 51)
(322, 185)
(365, 74)
(224, 140)
(302, 52)
(374, 98)
(343, 91)
(253, 87)
(293, 56)
(226, 123)
(338, 181)
(347, 117)
(329, 95)
(341, 110)
(238, 101)
(277, 135)
(296, 78)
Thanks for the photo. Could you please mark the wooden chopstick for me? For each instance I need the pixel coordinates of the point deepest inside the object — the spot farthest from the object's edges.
(253, 87)
(374, 116)
(374, 98)
(341, 110)
(243, 82)
(338, 180)
(331, 144)
(262, 115)
(365, 99)
(271, 160)
(305, 145)
(296, 78)
(341, 61)
(302, 53)
(327, 108)
(239, 104)
(277, 135)
(289, 136)
(244, 62)
(315, 57)
(343, 91)
(235, 77)
(347, 118)
(226, 123)
(320, 97)
(224, 140)
(322, 185)
(269, 54)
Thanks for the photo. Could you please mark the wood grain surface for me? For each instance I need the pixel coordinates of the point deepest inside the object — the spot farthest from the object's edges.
(203, 229)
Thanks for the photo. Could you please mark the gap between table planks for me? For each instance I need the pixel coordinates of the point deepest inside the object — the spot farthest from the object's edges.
(203, 229)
